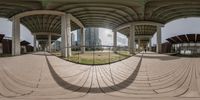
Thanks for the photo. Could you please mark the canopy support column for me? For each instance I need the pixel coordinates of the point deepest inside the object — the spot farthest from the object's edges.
(34, 41)
(65, 35)
(82, 40)
(115, 41)
(132, 39)
(159, 39)
(16, 48)
(49, 42)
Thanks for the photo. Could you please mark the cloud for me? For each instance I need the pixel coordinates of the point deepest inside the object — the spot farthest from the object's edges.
(176, 27)
(6, 28)
(179, 26)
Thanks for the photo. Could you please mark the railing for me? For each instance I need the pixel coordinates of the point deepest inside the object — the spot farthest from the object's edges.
(97, 55)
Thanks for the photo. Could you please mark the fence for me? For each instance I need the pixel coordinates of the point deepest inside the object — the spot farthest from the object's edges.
(97, 55)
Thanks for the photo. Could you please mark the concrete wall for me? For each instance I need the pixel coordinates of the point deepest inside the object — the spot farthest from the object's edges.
(23, 49)
(7, 46)
(29, 48)
(1, 48)
(166, 47)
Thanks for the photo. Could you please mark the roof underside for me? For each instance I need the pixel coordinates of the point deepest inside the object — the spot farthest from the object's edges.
(186, 38)
(101, 13)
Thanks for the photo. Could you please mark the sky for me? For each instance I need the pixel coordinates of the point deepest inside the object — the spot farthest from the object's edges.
(6, 28)
(180, 26)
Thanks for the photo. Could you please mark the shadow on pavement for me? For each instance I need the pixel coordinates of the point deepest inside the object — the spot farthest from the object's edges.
(73, 87)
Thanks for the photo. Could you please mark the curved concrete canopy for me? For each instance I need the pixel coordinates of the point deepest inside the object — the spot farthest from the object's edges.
(143, 32)
(44, 23)
(100, 13)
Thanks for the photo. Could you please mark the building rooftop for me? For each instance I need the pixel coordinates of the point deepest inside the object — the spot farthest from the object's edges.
(186, 38)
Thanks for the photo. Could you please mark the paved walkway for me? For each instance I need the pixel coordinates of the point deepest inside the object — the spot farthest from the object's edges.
(153, 76)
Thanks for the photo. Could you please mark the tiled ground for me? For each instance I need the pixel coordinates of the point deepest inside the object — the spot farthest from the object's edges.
(144, 76)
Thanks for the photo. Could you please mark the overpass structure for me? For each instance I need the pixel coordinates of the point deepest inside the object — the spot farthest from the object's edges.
(50, 19)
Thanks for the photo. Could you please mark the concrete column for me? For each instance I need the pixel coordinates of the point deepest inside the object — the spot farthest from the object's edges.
(82, 40)
(150, 44)
(68, 36)
(55, 46)
(34, 42)
(158, 48)
(65, 36)
(128, 42)
(132, 39)
(16, 48)
(38, 45)
(49, 42)
(139, 44)
(115, 41)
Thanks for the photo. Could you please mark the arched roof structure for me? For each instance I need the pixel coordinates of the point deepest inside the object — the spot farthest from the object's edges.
(185, 38)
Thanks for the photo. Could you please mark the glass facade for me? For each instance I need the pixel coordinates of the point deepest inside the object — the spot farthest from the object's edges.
(186, 48)
(91, 37)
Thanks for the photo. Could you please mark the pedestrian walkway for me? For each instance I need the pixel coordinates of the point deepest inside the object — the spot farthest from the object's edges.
(144, 76)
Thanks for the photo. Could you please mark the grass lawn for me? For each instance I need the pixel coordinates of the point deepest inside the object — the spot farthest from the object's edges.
(96, 57)
(5, 55)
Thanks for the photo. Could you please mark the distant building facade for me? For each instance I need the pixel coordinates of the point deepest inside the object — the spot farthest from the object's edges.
(121, 40)
(56, 46)
(6, 45)
(187, 44)
(73, 39)
(1, 44)
(91, 37)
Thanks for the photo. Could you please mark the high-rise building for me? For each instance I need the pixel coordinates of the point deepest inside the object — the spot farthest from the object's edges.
(91, 37)
(56, 46)
(121, 41)
(73, 39)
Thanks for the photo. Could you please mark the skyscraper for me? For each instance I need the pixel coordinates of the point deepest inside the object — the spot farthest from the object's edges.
(91, 37)
(56, 45)
(73, 39)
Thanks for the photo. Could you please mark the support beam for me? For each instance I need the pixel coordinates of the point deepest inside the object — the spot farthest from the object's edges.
(115, 41)
(49, 42)
(77, 21)
(34, 42)
(148, 23)
(187, 38)
(123, 26)
(47, 33)
(143, 36)
(159, 40)
(16, 48)
(82, 40)
(138, 23)
(132, 39)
